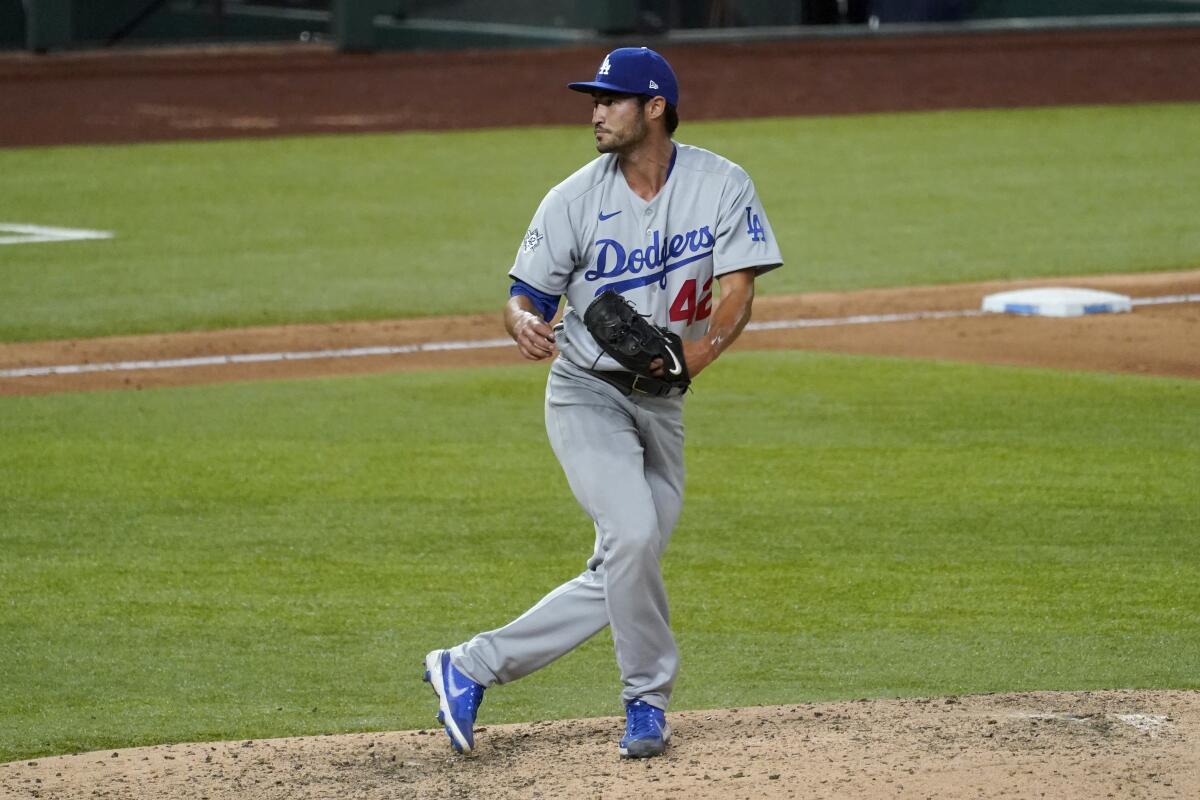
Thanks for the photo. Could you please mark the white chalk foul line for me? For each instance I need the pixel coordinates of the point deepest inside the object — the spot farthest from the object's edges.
(481, 344)
(253, 358)
(873, 319)
(17, 233)
(858, 319)
(1165, 299)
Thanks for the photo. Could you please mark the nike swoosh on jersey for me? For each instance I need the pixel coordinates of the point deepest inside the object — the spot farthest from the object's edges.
(604, 216)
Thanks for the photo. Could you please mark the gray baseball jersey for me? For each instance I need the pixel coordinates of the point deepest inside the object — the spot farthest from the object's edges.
(592, 234)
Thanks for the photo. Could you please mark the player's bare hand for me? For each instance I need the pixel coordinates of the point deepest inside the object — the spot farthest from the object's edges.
(534, 338)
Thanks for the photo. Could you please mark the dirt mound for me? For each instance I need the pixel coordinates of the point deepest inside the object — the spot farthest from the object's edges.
(1047, 744)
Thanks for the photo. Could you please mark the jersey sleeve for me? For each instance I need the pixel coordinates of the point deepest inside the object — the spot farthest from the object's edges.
(547, 254)
(744, 236)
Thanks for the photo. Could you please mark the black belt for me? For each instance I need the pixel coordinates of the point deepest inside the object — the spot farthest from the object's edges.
(629, 383)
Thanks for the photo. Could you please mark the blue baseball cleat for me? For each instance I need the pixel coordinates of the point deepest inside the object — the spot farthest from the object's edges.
(646, 731)
(459, 699)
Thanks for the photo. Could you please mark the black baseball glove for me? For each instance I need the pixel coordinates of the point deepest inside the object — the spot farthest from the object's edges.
(632, 341)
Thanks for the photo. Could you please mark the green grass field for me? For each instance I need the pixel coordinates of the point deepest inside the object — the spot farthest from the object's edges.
(272, 559)
(234, 233)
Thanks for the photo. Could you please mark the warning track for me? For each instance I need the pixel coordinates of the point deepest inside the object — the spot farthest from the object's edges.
(122, 96)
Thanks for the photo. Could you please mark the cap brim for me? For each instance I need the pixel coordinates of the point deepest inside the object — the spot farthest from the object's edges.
(594, 86)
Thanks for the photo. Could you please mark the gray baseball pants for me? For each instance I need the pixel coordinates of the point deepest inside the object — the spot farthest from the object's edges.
(623, 457)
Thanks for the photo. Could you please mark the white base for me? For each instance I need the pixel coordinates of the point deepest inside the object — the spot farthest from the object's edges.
(1056, 302)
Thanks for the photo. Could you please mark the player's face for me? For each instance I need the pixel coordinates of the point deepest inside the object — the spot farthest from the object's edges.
(618, 121)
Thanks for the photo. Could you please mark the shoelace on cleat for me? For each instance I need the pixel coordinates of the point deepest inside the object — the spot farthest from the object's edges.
(641, 722)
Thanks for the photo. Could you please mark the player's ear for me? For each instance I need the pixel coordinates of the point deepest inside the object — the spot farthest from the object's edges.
(656, 107)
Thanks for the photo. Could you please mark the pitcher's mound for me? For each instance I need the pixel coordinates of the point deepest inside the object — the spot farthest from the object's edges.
(1045, 744)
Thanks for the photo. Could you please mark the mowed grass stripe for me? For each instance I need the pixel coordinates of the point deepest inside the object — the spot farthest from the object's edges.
(315, 229)
(272, 559)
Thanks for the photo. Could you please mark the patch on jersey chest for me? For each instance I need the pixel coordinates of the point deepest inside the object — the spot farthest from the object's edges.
(533, 237)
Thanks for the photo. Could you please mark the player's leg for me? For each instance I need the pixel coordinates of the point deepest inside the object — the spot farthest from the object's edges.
(577, 417)
(660, 433)
(554, 626)
(660, 429)
(661, 424)
(596, 436)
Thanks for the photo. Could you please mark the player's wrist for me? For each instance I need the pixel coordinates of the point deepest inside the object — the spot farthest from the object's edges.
(519, 320)
(715, 346)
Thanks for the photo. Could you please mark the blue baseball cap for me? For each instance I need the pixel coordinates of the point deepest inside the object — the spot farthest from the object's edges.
(634, 70)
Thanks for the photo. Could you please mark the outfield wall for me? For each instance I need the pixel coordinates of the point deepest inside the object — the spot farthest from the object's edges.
(364, 25)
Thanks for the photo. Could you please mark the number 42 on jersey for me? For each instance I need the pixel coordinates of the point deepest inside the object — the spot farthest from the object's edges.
(690, 306)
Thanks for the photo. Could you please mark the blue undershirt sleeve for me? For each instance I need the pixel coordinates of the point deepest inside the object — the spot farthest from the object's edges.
(546, 304)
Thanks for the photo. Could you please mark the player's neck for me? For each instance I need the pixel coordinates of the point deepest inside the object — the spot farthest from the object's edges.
(646, 166)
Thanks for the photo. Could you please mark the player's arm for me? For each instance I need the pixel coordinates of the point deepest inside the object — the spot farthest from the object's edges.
(545, 258)
(746, 247)
(527, 327)
(729, 317)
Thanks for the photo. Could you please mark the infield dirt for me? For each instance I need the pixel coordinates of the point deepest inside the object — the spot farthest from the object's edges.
(1152, 340)
(1121, 744)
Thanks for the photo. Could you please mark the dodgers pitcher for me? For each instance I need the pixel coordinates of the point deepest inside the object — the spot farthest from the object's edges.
(656, 221)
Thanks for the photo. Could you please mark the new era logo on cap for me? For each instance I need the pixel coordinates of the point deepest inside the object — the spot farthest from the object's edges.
(634, 70)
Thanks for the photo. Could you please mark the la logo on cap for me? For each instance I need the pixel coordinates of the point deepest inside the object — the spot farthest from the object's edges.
(605, 67)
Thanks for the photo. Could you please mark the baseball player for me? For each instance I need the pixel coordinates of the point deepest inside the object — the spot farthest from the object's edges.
(655, 221)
